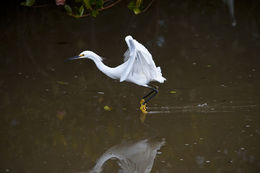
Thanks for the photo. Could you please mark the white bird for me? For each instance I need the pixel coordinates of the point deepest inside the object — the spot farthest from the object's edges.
(132, 157)
(138, 68)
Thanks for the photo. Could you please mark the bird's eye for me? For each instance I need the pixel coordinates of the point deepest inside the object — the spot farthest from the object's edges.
(81, 55)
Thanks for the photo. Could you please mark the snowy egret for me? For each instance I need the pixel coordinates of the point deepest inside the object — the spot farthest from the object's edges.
(132, 157)
(138, 68)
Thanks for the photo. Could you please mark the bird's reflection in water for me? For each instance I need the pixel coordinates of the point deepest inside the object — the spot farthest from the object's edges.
(142, 117)
(132, 157)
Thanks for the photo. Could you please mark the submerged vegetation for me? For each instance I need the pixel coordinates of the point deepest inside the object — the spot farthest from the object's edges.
(84, 8)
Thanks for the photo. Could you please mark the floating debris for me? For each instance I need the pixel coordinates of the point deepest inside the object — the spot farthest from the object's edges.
(107, 108)
(62, 83)
(202, 105)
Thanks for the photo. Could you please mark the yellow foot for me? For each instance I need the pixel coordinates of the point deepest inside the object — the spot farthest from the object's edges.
(142, 101)
(143, 108)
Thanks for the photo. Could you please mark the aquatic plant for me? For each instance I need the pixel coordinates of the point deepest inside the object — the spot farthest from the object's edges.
(84, 8)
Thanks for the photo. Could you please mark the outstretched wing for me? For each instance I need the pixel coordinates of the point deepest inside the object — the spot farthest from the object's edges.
(140, 67)
(130, 60)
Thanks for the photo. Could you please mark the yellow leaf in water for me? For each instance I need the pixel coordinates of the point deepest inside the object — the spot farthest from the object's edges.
(173, 92)
(107, 108)
(62, 83)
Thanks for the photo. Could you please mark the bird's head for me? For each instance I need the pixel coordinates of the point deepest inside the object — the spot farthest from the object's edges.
(86, 54)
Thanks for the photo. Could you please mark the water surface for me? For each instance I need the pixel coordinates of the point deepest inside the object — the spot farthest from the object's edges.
(52, 111)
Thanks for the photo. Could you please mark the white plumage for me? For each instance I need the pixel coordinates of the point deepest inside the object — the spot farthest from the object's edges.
(138, 66)
(132, 157)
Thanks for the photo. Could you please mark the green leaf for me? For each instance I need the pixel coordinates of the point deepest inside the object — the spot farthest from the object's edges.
(137, 10)
(68, 9)
(87, 4)
(99, 4)
(92, 2)
(173, 92)
(138, 3)
(28, 3)
(81, 10)
(94, 13)
(131, 5)
(135, 6)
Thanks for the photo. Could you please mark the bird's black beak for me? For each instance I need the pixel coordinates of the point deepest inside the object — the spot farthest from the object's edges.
(74, 57)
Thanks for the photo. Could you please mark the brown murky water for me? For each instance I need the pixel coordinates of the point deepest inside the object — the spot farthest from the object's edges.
(52, 111)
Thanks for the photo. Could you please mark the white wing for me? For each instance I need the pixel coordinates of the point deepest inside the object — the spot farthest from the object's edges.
(130, 61)
(140, 67)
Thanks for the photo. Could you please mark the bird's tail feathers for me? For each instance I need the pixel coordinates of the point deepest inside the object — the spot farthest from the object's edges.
(159, 70)
(159, 77)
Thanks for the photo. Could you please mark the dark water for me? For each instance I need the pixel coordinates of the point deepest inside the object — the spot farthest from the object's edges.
(52, 111)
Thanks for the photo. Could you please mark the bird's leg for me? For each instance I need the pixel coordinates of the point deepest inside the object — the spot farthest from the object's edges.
(153, 87)
(144, 101)
(155, 91)
(143, 104)
(148, 94)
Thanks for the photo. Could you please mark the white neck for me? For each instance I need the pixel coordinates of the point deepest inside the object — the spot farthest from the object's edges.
(100, 65)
